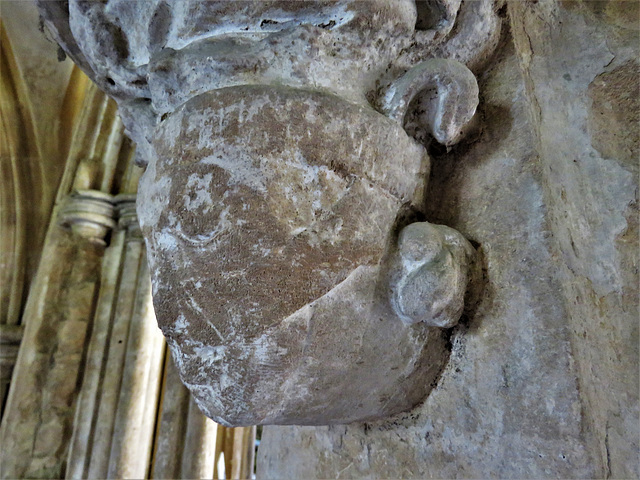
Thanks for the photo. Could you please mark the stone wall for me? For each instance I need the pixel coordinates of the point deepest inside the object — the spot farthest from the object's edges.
(542, 380)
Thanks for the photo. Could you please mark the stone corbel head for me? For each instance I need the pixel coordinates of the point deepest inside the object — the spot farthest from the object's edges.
(282, 205)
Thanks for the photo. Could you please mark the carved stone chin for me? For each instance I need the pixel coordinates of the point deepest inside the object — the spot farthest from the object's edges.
(277, 205)
(268, 241)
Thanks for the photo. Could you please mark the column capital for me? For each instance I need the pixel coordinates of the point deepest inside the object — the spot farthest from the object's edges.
(125, 205)
(88, 213)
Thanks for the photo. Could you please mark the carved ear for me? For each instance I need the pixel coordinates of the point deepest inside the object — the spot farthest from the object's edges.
(445, 94)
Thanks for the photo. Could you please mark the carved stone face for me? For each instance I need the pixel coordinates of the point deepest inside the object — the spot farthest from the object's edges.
(279, 193)
(276, 201)
(271, 215)
(260, 203)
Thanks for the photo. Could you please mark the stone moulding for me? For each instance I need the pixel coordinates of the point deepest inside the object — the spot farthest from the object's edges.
(125, 204)
(89, 213)
(293, 274)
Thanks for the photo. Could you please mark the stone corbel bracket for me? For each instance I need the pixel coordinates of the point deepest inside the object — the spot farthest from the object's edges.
(271, 202)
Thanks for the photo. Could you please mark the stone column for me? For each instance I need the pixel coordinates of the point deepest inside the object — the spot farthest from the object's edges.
(134, 420)
(114, 363)
(115, 416)
(40, 405)
(10, 338)
(186, 439)
(80, 448)
(198, 455)
(58, 315)
(244, 440)
(172, 426)
(235, 452)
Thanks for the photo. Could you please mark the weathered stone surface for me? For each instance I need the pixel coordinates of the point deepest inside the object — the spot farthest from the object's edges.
(543, 380)
(591, 193)
(444, 94)
(507, 404)
(282, 315)
(275, 194)
(615, 104)
(429, 272)
(155, 56)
